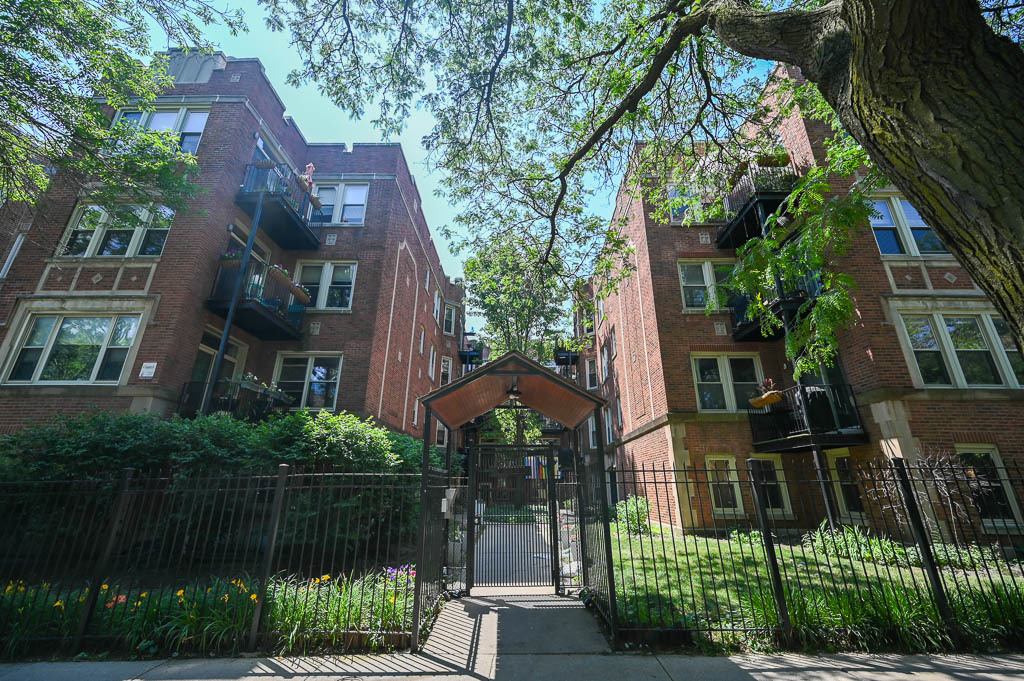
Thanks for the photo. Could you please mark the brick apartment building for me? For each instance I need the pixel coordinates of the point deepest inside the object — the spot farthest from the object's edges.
(927, 367)
(95, 318)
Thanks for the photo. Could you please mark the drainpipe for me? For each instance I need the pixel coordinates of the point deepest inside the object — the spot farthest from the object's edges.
(235, 295)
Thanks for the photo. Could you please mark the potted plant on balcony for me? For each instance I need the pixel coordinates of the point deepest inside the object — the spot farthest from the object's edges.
(769, 395)
(231, 258)
(300, 292)
(279, 273)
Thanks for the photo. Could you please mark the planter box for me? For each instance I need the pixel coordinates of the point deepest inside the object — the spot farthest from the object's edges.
(300, 295)
(279, 275)
(770, 397)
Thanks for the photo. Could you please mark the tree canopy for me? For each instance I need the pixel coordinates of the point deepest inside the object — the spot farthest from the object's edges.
(539, 103)
(64, 66)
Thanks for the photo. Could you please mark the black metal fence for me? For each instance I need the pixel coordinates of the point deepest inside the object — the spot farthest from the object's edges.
(295, 561)
(920, 557)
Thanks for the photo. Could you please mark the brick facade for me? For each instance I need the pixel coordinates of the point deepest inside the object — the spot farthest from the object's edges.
(652, 370)
(382, 372)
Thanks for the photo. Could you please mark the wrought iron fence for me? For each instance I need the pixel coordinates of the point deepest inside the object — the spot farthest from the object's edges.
(920, 557)
(297, 561)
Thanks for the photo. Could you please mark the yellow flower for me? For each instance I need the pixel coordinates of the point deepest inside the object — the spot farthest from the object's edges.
(104, 587)
(138, 603)
(315, 580)
(208, 590)
(59, 604)
(9, 589)
(181, 592)
(253, 597)
(325, 578)
(224, 598)
(143, 594)
(21, 588)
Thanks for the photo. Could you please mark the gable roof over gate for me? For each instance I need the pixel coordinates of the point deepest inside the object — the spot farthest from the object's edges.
(540, 389)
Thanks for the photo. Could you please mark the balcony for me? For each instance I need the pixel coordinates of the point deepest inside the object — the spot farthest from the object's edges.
(242, 399)
(264, 308)
(566, 357)
(747, 328)
(831, 412)
(758, 193)
(285, 206)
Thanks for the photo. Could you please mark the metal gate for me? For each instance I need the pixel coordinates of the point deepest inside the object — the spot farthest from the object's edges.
(513, 536)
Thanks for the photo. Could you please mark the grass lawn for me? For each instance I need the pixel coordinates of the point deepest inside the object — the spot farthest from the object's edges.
(668, 579)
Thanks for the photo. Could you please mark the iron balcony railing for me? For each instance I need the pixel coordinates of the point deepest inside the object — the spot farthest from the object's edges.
(262, 286)
(242, 399)
(292, 190)
(830, 409)
(807, 287)
(758, 178)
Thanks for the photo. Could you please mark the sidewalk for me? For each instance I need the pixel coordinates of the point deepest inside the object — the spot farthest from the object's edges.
(525, 636)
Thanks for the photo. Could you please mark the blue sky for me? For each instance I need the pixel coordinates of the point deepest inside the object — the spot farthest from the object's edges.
(321, 121)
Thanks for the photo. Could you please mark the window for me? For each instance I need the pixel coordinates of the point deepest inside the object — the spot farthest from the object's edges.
(962, 350)
(15, 248)
(431, 371)
(990, 487)
(446, 370)
(604, 363)
(330, 284)
(592, 431)
(310, 380)
(74, 349)
(611, 343)
(415, 413)
(440, 435)
(587, 325)
(422, 336)
(618, 409)
(426, 281)
(591, 374)
(776, 492)
(609, 430)
(450, 312)
(134, 231)
(437, 306)
(203, 367)
(600, 311)
(188, 123)
(726, 382)
(239, 240)
(698, 280)
(844, 483)
(899, 229)
(677, 214)
(725, 485)
(340, 203)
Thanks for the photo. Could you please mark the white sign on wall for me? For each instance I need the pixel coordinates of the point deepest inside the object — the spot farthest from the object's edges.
(148, 370)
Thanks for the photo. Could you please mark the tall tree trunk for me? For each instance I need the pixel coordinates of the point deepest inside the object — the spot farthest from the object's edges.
(937, 100)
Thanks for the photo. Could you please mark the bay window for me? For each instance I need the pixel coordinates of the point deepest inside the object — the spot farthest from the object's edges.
(133, 231)
(73, 349)
(310, 380)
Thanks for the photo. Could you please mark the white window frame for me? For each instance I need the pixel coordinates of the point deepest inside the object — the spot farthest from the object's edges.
(179, 121)
(426, 281)
(604, 362)
(423, 336)
(19, 239)
(678, 217)
(600, 312)
(239, 359)
(437, 307)
(415, 412)
(612, 344)
(609, 426)
(440, 430)
(326, 275)
(710, 282)
(903, 230)
(948, 352)
(845, 514)
(995, 525)
(278, 363)
(586, 369)
(339, 201)
(138, 235)
(618, 410)
(733, 478)
(787, 507)
(592, 431)
(448, 361)
(455, 317)
(431, 368)
(47, 349)
(726, 373)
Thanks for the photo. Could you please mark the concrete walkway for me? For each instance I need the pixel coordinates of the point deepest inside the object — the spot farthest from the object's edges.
(531, 635)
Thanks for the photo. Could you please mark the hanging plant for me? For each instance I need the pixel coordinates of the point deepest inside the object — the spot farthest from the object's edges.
(300, 292)
(279, 273)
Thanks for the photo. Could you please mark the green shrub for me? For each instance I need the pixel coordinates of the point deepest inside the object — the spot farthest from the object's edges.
(101, 444)
(633, 514)
(853, 543)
